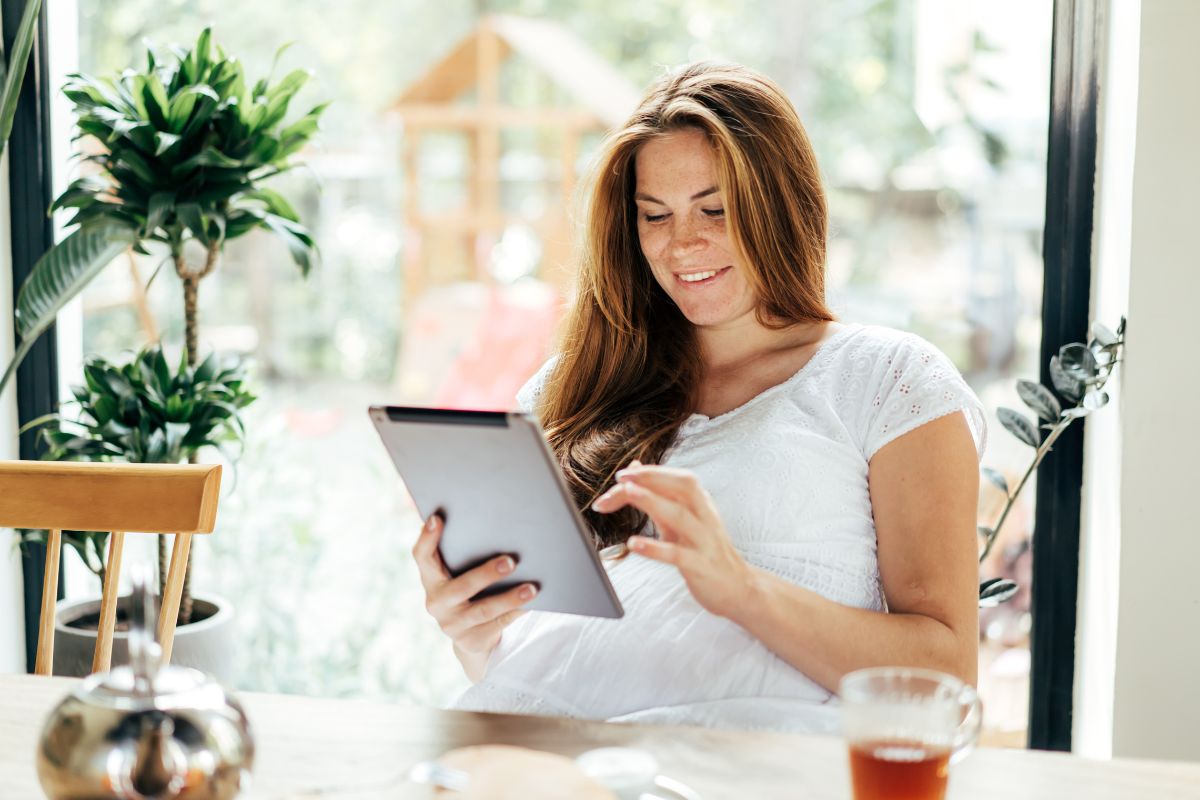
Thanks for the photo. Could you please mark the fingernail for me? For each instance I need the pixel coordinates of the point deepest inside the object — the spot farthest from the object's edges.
(527, 592)
(506, 565)
(429, 523)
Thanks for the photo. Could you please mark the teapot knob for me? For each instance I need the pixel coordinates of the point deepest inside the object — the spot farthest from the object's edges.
(145, 653)
(157, 768)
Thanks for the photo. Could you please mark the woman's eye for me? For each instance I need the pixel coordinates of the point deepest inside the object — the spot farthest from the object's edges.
(714, 212)
(654, 217)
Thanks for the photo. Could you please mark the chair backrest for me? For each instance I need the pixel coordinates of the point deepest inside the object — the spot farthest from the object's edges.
(118, 498)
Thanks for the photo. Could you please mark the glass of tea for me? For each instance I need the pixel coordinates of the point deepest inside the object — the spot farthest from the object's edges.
(905, 727)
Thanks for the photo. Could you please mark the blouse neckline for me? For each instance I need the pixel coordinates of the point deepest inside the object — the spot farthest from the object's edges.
(696, 421)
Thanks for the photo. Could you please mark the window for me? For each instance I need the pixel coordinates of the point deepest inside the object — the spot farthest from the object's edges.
(929, 118)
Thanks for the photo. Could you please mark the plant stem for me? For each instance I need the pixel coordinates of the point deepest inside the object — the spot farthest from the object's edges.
(1045, 448)
(1042, 450)
(162, 565)
(191, 286)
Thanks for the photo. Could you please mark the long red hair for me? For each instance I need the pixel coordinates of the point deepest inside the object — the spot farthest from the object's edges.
(629, 368)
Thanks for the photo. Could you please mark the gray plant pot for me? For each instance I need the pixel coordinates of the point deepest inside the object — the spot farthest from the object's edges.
(206, 645)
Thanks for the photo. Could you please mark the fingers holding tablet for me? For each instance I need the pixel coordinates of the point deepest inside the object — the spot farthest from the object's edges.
(474, 624)
(425, 552)
(488, 617)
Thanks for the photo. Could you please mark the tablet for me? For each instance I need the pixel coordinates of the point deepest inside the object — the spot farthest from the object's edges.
(493, 477)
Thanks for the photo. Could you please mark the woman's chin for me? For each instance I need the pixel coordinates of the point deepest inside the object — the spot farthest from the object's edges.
(713, 316)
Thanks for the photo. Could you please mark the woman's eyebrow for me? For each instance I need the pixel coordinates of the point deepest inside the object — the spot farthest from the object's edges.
(696, 196)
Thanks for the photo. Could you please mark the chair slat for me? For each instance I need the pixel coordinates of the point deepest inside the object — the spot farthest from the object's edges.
(45, 649)
(172, 593)
(102, 660)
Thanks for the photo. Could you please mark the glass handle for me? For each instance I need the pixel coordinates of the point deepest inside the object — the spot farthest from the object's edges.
(968, 730)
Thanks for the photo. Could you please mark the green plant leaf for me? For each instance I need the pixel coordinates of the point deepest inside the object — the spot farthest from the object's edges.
(184, 102)
(1040, 399)
(164, 141)
(155, 98)
(995, 591)
(1103, 335)
(275, 202)
(1078, 361)
(159, 208)
(297, 238)
(296, 135)
(279, 97)
(1019, 425)
(205, 107)
(81, 192)
(15, 70)
(1094, 400)
(58, 276)
(261, 87)
(206, 369)
(191, 216)
(997, 480)
(1068, 386)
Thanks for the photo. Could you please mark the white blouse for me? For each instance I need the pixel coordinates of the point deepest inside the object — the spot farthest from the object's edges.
(788, 472)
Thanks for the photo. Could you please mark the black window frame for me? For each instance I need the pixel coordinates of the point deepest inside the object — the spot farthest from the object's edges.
(1066, 304)
(30, 190)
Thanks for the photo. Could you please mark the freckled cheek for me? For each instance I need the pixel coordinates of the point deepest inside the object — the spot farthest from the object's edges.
(653, 247)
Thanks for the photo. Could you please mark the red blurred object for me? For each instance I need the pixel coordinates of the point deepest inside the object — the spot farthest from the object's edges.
(510, 343)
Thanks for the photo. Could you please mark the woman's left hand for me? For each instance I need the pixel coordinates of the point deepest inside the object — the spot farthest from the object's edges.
(691, 534)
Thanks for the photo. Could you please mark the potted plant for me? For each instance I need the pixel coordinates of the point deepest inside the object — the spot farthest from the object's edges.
(186, 148)
(147, 413)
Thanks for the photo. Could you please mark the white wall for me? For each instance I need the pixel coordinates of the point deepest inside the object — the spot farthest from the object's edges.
(1100, 540)
(1156, 697)
(12, 636)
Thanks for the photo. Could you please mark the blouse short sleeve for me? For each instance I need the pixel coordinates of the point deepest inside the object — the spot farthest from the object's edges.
(529, 394)
(915, 383)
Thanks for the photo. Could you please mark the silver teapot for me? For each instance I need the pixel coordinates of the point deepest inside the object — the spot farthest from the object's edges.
(146, 731)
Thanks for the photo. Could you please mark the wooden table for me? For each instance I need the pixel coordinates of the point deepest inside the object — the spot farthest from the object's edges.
(335, 749)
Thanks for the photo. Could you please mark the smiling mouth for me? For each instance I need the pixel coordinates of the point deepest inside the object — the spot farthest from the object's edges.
(701, 278)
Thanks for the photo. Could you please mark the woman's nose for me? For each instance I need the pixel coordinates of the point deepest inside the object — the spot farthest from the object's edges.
(686, 238)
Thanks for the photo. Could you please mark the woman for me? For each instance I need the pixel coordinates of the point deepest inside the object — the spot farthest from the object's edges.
(802, 491)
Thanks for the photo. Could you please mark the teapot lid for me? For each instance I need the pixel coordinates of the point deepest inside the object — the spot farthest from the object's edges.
(146, 683)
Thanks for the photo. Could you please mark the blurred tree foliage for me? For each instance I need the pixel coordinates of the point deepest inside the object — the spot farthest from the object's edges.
(846, 63)
(849, 66)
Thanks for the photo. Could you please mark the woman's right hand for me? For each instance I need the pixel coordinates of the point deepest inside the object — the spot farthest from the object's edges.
(473, 626)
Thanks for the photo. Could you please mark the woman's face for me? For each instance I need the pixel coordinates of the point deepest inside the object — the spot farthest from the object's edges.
(681, 227)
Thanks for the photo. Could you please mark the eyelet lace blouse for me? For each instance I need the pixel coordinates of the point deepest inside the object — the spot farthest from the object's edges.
(788, 473)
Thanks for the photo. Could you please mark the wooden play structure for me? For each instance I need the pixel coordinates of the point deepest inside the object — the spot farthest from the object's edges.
(463, 95)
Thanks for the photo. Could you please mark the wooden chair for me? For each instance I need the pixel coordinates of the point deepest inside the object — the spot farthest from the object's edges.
(119, 498)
